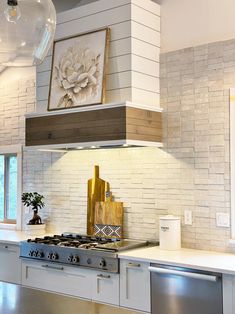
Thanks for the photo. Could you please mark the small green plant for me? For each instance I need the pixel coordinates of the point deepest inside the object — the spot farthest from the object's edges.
(35, 200)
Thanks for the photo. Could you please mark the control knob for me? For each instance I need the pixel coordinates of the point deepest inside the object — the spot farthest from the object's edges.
(40, 254)
(54, 256)
(70, 258)
(35, 253)
(31, 252)
(76, 259)
(102, 263)
(49, 255)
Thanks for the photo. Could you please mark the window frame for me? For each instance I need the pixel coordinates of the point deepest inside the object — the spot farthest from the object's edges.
(8, 151)
(232, 159)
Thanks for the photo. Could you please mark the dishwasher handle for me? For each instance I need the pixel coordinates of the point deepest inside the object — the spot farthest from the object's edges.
(169, 271)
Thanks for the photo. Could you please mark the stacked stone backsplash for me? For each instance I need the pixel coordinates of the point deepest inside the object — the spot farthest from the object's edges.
(17, 97)
(191, 172)
(195, 86)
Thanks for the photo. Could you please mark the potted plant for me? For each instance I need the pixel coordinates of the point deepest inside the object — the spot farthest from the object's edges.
(35, 201)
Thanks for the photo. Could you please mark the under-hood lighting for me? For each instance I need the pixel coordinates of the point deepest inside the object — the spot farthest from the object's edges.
(101, 145)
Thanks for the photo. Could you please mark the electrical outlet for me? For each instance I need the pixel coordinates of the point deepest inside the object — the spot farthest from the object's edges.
(222, 220)
(188, 217)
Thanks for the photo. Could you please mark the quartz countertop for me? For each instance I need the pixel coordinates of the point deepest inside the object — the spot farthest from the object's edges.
(196, 259)
(14, 237)
(21, 300)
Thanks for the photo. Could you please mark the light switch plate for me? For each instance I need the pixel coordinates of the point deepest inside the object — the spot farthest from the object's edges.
(188, 217)
(222, 220)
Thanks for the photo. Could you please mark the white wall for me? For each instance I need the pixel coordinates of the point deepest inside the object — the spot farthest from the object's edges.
(187, 23)
(63, 5)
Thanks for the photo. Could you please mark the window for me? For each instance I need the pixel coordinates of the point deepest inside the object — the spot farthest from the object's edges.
(8, 188)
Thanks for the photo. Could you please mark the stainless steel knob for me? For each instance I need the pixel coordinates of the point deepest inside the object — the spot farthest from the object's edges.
(35, 253)
(76, 259)
(102, 262)
(54, 256)
(70, 258)
(40, 254)
(49, 255)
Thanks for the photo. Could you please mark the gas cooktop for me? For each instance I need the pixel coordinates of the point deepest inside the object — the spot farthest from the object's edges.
(78, 250)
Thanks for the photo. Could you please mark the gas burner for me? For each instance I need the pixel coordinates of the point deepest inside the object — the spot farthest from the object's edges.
(89, 245)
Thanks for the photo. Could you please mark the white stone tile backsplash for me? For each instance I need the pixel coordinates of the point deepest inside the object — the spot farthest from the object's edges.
(191, 172)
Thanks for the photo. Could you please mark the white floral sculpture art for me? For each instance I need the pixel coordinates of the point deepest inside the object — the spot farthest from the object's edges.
(78, 75)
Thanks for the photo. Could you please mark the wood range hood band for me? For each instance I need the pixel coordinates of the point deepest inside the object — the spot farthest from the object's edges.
(103, 124)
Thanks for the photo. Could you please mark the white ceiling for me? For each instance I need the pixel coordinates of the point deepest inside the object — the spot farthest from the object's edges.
(63, 5)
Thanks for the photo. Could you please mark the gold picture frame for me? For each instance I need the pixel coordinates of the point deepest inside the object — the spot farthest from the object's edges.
(78, 71)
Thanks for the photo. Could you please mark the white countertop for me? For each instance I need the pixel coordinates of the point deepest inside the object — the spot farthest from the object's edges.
(14, 237)
(205, 260)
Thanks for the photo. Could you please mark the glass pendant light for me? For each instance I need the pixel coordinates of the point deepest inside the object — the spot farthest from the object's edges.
(27, 29)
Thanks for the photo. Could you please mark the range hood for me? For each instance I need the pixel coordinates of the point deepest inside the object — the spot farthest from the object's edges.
(100, 126)
(131, 115)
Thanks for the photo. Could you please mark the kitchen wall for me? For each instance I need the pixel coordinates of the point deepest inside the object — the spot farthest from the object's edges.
(187, 23)
(195, 86)
(191, 172)
(17, 97)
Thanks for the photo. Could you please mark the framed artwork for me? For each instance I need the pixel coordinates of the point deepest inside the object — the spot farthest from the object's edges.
(78, 70)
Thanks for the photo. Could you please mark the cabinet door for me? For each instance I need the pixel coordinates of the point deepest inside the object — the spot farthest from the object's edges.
(135, 285)
(10, 263)
(228, 294)
(105, 288)
(57, 278)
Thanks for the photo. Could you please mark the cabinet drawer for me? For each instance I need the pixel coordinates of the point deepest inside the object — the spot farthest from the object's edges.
(106, 288)
(10, 263)
(135, 285)
(57, 278)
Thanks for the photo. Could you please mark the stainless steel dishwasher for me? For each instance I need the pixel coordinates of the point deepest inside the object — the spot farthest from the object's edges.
(177, 290)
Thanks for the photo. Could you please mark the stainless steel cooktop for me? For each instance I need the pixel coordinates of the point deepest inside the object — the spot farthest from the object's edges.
(78, 250)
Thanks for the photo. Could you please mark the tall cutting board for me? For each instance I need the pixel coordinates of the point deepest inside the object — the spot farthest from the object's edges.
(95, 193)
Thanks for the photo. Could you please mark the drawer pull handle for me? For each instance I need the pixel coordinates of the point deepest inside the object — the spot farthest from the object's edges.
(133, 265)
(166, 271)
(6, 246)
(101, 276)
(130, 266)
(53, 267)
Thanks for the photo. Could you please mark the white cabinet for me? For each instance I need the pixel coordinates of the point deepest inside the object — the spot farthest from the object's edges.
(57, 278)
(10, 264)
(105, 288)
(135, 285)
(76, 281)
(228, 294)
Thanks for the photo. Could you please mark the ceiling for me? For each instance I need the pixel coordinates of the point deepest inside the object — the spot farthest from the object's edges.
(63, 5)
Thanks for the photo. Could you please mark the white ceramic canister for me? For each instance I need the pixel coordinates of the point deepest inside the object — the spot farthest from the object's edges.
(170, 233)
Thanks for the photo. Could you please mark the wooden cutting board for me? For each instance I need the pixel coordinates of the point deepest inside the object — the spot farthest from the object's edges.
(109, 219)
(95, 193)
